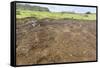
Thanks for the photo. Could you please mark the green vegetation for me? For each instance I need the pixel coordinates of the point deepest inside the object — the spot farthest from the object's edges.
(54, 15)
(88, 12)
(39, 12)
(31, 8)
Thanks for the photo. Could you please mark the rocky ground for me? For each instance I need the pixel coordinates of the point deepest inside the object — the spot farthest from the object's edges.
(54, 41)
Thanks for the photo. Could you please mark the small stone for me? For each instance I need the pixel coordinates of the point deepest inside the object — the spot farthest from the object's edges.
(84, 52)
(71, 55)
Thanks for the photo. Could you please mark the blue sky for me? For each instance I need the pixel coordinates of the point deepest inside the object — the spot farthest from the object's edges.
(60, 8)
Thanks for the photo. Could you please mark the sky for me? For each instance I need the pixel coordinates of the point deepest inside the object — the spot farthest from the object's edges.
(60, 8)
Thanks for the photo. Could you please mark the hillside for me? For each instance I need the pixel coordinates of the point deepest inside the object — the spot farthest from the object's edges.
(29, 7)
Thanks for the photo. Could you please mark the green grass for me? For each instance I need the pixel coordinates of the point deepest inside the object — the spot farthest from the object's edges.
(54, 15)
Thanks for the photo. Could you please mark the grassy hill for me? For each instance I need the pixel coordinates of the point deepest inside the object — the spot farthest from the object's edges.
(31, 8)
(54, 15)
(25, 10)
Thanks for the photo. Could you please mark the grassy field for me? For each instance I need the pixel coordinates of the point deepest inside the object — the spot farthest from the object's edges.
(54, 15)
